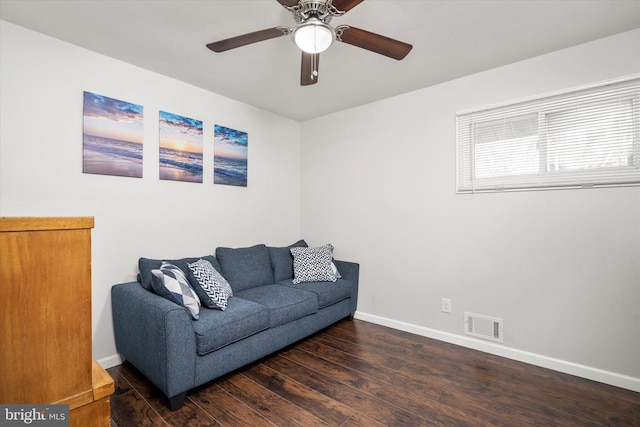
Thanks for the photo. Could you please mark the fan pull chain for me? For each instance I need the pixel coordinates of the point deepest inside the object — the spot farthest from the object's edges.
(314, 67)
(314, 62)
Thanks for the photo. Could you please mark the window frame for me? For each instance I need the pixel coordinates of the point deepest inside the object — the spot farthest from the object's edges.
(598, 95)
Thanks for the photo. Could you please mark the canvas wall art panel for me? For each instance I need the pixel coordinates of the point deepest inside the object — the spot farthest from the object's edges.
(230, 156)
(112, 136)
(180, 148)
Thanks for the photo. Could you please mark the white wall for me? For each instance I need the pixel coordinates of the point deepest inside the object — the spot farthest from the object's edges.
(562, 268)
(41, 85)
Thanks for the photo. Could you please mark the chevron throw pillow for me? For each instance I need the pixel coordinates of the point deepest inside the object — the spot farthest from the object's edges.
(215, 286)
(313, 264)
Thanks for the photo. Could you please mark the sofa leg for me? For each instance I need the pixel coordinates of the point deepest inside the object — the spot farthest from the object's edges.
(177, 401)
(350, 317)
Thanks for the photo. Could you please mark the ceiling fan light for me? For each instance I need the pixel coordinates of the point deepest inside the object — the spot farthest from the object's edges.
(313, 36)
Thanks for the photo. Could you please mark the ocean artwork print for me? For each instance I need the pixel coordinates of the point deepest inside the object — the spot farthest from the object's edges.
(180, 148)
(112, 136)
(230, 156)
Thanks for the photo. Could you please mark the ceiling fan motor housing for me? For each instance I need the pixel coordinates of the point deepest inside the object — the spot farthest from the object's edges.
(322, 10)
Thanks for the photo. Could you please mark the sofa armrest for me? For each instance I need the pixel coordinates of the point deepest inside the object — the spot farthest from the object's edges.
(350, 271)
(156, 336)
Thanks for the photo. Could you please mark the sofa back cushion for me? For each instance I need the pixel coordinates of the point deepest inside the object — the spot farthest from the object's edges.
(282, 260)
(245, 268)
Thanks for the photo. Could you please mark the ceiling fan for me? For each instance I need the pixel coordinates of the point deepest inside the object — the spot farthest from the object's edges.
(313, 34)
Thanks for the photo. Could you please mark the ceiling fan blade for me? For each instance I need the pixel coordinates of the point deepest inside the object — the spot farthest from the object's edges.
(288, 3)
(309, 69)
(245, 39)
(374, 42)
(345, 5)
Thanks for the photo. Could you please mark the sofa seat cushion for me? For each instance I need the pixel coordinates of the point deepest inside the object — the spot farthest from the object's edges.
(216, 328)
(328, 292)
(285, 303)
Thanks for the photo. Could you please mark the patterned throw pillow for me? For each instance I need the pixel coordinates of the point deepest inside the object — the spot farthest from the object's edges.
(170, 282)
(212, 282)
(313, 264)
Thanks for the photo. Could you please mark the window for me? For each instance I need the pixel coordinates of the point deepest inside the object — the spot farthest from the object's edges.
(581, 138)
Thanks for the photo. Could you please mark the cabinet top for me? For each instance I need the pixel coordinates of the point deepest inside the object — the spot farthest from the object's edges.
(45, 223)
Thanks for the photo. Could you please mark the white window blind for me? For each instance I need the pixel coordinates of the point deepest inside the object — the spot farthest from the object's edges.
(581, 138)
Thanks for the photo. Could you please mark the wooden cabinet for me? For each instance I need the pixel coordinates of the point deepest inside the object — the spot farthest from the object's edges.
(45, 317)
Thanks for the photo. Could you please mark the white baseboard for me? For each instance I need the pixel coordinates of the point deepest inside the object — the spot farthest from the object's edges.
(611, 378)
(110, 361)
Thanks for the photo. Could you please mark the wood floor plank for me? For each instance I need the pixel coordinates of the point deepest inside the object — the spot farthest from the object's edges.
(329, 410)
(356, 374)
(361, 420)
(437, 380)
(131, 410)
(486, 400)
(225, 409)
(512, 386)
(471, 417)
(279, 411)
(378, 358)
(372, 406)
(377, 341)
(362, 362)
(486, 410)
(190, 415)
(421, 404)
(340, 373)
(366, 328)
(409, 395)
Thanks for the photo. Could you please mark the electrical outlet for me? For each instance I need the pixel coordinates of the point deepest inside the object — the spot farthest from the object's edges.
(446, 305)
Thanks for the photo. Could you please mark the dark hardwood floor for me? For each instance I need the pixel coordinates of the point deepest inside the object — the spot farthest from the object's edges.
(357, 373)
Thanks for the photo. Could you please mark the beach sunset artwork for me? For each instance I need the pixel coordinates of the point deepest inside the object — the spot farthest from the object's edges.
(112, 137)
(230, 157)
(180, 148)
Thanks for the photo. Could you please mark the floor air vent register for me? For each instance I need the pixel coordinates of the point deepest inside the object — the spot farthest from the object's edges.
(489, 328)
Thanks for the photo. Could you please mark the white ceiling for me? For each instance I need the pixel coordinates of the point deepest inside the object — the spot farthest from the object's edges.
(450, 39)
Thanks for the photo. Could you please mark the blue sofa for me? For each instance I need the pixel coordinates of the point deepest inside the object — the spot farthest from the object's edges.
(266, 313)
